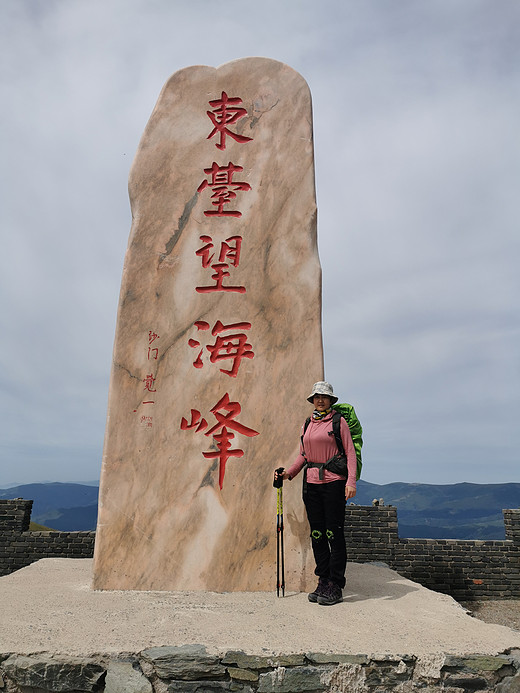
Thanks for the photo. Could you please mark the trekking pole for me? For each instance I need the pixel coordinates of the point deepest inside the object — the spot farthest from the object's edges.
(280, 500)
(278, 484)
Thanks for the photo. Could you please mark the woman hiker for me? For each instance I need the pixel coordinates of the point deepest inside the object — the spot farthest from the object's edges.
(325, 492)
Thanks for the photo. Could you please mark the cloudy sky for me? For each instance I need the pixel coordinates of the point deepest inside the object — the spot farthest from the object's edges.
(416, 118)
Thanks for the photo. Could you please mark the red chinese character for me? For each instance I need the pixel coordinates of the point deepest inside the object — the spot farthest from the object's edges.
(200, 325)
(225, 422)
(224, 114)
(221, 181)
(233, 346)
(152, 337)
(153, 353)
(233, 409)
(195, 421)
(219, 275)
(224, 452)
(228, 250)
(149, 382)
(204, 252)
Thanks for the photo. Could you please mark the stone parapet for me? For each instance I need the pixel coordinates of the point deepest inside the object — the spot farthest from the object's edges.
(466, 570)
(192, 668)
(371, 533)
(512, 525)
(18, 550)
(20, 547)
(15, 515)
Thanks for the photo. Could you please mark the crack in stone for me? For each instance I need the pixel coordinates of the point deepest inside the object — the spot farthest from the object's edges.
(178, 337)
(258, 545)
(255, 119)
(128, 297)
(183, 220)
(209, 477)
(124, 368)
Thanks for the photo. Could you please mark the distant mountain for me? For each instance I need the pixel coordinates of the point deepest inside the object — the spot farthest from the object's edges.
(451, 511)
(65, 507)
(75, 519)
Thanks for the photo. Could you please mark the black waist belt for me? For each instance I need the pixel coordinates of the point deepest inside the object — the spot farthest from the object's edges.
(320, 466)
(336, 465)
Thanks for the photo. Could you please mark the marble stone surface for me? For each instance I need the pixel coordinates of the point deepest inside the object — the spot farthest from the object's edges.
(218, 338)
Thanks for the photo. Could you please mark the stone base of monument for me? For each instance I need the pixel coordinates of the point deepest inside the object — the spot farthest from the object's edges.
(388, 634)
(191, 668)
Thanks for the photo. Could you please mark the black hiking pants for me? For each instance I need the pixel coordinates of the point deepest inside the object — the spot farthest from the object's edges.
(325, 506)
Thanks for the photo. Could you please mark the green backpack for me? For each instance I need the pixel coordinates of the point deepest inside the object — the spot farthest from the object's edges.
(356, 431)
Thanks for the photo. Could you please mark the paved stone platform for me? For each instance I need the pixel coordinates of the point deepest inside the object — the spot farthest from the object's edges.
(50, 607)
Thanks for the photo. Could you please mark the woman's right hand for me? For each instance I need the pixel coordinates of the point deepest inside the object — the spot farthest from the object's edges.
(284, 476)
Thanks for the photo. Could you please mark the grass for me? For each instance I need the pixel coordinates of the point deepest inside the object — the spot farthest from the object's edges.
(35, 527)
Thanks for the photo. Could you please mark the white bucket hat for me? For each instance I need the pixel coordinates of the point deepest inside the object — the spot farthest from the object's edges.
(322, 388)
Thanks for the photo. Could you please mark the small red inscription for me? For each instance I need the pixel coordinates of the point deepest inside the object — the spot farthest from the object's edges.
(149, 383)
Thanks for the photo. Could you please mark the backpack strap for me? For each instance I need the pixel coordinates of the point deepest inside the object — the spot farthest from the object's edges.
(305, 427)
(336, 429)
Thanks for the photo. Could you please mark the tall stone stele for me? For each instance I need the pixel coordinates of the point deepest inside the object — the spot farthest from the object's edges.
(218, 338)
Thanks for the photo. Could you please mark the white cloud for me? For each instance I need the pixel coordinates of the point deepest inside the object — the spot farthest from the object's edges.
(416, 108)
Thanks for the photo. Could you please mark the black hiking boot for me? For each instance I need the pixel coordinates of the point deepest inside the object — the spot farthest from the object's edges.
(313, 596)
(332, 594)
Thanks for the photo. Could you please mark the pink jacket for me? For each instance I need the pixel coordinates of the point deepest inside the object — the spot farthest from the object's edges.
(320, 446)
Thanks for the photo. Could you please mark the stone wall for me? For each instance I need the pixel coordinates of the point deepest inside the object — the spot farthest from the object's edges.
(466, 570)
(190, 668)
(20, 547)
(15, 515)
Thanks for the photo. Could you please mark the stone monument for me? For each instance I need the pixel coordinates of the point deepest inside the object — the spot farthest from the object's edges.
(218, 338)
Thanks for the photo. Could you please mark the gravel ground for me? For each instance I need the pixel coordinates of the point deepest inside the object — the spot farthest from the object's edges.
(505, 612)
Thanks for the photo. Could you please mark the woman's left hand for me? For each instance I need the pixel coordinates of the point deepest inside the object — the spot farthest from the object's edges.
(350, 492)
